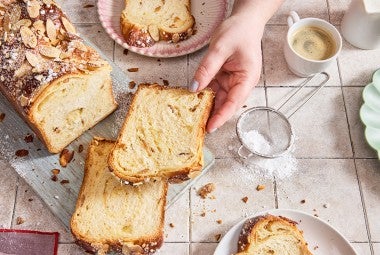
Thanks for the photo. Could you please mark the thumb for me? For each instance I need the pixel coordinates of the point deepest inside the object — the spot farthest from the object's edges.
(208, 68)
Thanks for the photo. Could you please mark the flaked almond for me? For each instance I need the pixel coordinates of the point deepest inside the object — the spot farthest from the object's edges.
(23, 100)
(80, 46)
(6, 23)
(23, 22)
(65, 157)
(175, 38)
(68, 26)
(55, 171)
(50, 30)
(19, 220)
(154, 32)
(39, 27)
(50, 51)
(33, 7)
(32, 58)
(15, 15)
(133, 69)
(65, 55)
(28, 37)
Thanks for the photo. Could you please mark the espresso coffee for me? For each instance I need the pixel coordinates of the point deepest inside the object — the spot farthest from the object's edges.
(313, 43)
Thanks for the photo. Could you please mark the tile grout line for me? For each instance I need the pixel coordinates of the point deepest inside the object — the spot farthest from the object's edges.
(190, 232)
(356, 169)
(328, 10)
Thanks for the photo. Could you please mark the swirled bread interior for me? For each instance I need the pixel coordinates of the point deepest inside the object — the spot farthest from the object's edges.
(271, 235)
(111, 215)
(163, 134)
(144, 22)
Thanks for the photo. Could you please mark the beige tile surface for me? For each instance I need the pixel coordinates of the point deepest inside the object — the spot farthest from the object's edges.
(326, 183)
(337, 9)
(177, 220)
(376, 248)
(80, 11)
(320, 131)
(174, 248)
(276, 70)
(353, 98)
(233, 181)
(202, 248)
(304, 8)
(151, 70)
(361, 248)
(369, 176)
(356, 65)
(36, 214)
(8, 189)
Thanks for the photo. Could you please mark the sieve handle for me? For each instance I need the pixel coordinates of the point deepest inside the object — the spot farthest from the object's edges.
(303, 84)
(244, 155)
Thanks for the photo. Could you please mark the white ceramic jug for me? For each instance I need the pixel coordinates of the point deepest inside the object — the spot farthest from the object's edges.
(361, 24)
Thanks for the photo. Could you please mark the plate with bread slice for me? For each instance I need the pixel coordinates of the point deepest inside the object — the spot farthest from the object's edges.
(283, 231)
(162, 28)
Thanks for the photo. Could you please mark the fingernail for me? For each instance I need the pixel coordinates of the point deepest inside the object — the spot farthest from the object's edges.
(213, 130)
(194, 86)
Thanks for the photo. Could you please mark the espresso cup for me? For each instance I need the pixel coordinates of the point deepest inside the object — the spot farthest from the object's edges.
(311, 45)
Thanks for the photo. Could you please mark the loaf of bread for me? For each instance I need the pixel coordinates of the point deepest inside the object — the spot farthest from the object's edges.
(110, 215)
(60, 86)
(163, 134)
(145, 22)
(271, 235)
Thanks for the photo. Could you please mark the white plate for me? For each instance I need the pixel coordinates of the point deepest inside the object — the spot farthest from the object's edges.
(208, 15)
(317, 233)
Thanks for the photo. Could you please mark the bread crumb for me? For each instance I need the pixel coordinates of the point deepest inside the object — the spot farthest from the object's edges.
(133, 69)
(65, 157)
(315, 247)
(2, 116)
(55, 171)
(217, 237)
(213, 211)
(203, 214)
(65, 182)
(316, 215)
(30, 199)
(326, 205)
(80, 148)
(131, 84)
(56, 197)
(171, 225)
(88, 6)
(260, 187)
(28, 138)
(206, 189)
(54, 178)
(303, 201)
(219, 221)
(245, 199)
(19, 220)
(166, 82)
(125, 52)
(22, 153)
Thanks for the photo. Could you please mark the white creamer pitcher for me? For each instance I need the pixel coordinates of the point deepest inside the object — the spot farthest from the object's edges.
(361, 24)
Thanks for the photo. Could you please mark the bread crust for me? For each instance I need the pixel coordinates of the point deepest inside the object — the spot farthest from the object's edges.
(250, 226)
(177, 175)
(143, 246)
(28, 68)
(138, 35)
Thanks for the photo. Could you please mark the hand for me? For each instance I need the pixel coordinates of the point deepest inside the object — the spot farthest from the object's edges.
(231, 67)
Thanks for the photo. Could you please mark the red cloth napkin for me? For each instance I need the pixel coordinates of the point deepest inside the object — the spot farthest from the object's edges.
(28, 242)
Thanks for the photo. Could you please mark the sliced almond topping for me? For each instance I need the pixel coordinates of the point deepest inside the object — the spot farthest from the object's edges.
(68, 26)
(32, 58)
(154, 32)
(65, 55)
(50, 30)
(15, 14)
(39, 26)
(50, 51)
(33, 8)
(65, 157)
(23, 22)
(6, 23)
(80, 46)
(23, 100)
(28, 37)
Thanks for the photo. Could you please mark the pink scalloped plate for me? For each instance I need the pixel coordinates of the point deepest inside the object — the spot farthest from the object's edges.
(208, 15)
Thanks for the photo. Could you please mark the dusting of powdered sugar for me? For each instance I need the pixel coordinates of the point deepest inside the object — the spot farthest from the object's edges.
(281, 167)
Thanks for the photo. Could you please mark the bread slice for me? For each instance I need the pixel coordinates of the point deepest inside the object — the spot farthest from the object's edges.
(59, 85)
(145, 22)
(163, 134)
(271, 235)
(110, 215)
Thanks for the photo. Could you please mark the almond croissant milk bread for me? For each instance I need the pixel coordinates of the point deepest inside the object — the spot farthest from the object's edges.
(60, 86)
(163, 135)
(145, 22)
(110, 215)
(271, 235)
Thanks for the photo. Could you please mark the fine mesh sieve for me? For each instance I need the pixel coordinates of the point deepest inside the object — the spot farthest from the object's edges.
(265, 131)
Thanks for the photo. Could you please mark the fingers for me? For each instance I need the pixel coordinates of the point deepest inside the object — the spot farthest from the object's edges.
(209, 67)
(227, 104)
